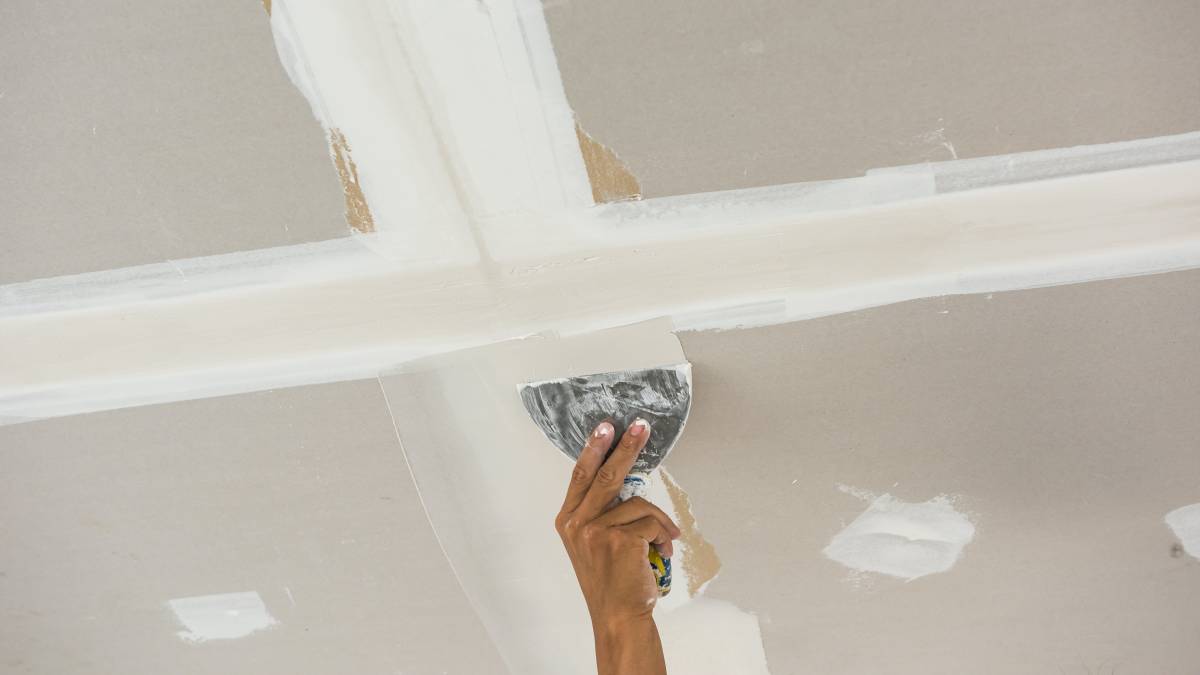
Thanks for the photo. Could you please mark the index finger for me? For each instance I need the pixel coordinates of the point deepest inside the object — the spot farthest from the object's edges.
(590, 459)
(612, 474)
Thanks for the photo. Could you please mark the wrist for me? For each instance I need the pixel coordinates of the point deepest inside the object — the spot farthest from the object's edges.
(628, 645)
(619, 625)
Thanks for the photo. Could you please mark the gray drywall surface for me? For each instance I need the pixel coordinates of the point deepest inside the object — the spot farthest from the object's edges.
(301, 495)
(1063, 421)
(700, 96)
(137, 132)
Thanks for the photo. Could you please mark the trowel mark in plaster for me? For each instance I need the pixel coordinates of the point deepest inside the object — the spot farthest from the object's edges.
(221, 617)
(1185, 523)
(902, 539)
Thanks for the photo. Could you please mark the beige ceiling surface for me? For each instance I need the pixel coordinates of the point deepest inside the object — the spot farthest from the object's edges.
(300, 495)
(710, 96)
(1062, 421)
(136, 132)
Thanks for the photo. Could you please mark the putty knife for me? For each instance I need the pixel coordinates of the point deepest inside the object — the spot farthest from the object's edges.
(567, 410)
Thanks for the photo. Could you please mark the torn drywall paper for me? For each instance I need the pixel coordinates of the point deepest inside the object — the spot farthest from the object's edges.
(473, 450)
(701, 563)
(611, 179)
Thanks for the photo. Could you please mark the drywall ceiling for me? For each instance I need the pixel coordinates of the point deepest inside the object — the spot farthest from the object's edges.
(696, 97)
(299, 497)
(1059, 421)
(136, 132)
(1046, 430)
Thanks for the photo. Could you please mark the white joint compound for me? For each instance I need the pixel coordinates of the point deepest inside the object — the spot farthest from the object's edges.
(221, 617)
(1185, 523)
(903, 540)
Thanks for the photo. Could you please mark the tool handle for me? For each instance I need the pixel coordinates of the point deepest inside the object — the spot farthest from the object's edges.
(638, 485)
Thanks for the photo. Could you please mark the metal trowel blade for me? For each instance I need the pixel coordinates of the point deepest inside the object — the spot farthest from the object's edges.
(567, 409)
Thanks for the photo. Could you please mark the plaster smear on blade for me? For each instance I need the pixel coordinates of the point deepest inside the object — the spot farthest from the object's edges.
(902, 539)
(221, 617)
(1185, 523)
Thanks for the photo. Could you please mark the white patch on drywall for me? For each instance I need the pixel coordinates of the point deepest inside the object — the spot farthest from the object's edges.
(1185, 523)
(902, 539)
(705, 635)
(221, 617)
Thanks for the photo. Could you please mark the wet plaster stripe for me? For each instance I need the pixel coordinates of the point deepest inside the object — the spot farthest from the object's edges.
(302, 323)
(446, 409)
(474, 150)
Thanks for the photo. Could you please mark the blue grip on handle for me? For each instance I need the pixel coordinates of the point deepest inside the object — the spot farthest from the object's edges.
(635, 486)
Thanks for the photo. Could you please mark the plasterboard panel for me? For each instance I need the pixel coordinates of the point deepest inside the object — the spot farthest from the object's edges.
(137, 132)
(300, 497)
(1061, 421)
(697, 97)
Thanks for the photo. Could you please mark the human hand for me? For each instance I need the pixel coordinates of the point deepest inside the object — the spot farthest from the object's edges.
(608, 541)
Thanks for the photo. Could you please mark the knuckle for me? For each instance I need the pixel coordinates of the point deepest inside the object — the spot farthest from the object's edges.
(579, 475)
(591, 530)
(622, 539)
(606, 476)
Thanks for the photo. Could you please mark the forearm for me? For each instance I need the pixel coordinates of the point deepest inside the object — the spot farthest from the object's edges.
(629, 648)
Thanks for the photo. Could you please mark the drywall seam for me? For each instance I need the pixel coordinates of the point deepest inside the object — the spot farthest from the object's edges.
(967, 174)
(669, 216)
(455, 110)
(345, 58)
(636, 223)
(488, 477)
(343, 325)
(177, 280)
(475, 89)
(425, 507)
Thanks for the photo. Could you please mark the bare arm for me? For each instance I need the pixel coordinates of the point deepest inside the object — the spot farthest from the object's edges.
(608, 543)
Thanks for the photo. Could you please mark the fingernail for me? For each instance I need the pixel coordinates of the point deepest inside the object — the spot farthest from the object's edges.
(638, 427)
(603, 430)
